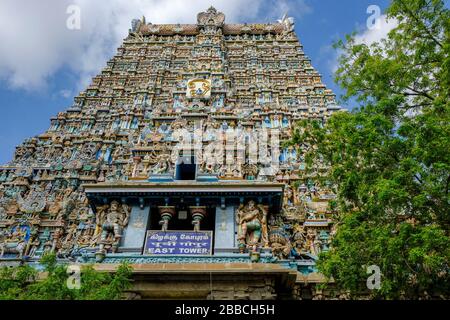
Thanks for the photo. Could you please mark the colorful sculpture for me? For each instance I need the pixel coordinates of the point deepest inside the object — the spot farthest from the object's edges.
(209, 75)
(252, 223)
(112, 219)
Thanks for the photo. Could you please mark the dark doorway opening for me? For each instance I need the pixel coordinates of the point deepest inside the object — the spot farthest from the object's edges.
(186, 168)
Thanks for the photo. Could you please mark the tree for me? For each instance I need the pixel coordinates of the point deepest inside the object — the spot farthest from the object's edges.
(389, 159)
(23, 283)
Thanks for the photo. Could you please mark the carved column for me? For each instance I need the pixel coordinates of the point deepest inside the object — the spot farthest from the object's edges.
(166, 213)
(198, 213)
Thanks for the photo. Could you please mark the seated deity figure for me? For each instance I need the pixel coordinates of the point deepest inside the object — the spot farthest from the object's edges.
(112, 220)
(164, 128)
(163, 164)
(276, 121)
(224, 125)
(218, 102)
(178, 103)
(210, 129)
(252, 223)
(267, 123)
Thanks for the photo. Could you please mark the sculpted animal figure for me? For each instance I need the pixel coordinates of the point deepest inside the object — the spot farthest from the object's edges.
(18, 248)
(11, 245)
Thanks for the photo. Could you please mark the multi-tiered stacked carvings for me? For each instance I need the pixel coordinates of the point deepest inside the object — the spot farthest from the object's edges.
(122, 128)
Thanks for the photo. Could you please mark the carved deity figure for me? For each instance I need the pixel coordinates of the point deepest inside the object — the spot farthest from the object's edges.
(124, 129)
(56, 206)
(163, 164)
(312, 242)
(279, 244)
(33, 242)
(288, 196)
(252, 223)
(112, 220)
(12, 207)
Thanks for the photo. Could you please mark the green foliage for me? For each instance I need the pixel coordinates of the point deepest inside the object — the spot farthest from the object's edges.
(23, 283)
(14, 281)
(390, 158)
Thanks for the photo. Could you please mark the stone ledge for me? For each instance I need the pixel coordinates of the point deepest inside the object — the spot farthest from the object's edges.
(198, 267)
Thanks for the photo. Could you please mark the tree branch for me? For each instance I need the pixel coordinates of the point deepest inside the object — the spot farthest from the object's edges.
(420, 23)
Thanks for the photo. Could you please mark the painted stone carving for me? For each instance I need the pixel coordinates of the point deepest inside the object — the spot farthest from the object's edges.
(211, 75)
(112, 219)
(252, 223)
(14, 241)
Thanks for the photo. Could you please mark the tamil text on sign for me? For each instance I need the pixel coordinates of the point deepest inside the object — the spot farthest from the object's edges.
(178, 242)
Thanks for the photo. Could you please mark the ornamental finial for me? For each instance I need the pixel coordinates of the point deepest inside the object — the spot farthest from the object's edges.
(288, 22)
(211, 17)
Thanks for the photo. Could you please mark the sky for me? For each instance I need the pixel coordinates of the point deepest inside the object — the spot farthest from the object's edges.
(44, 64)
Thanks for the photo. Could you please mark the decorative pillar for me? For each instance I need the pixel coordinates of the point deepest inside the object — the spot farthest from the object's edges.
(197, 213)
(166, 213)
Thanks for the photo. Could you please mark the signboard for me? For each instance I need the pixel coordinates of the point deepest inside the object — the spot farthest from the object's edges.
(198, 88)
(159, 242)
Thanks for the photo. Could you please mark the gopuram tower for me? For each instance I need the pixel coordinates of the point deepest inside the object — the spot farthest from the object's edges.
(173, 160)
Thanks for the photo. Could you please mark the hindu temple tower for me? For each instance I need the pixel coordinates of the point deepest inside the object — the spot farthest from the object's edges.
(173, 159)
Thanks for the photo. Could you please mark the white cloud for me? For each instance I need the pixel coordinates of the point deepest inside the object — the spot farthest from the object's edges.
(376, 34)
(367, 37)
(65, 93)
(36, 42)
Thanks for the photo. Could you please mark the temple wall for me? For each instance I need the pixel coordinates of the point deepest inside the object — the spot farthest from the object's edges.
(123, 130)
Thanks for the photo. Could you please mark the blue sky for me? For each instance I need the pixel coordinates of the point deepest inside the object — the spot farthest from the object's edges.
(43, 65)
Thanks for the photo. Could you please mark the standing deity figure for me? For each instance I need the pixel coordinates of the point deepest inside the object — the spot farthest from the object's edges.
(112, 220)
(252, 224)
(56, 240)
(312, 242)
(33, 242)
